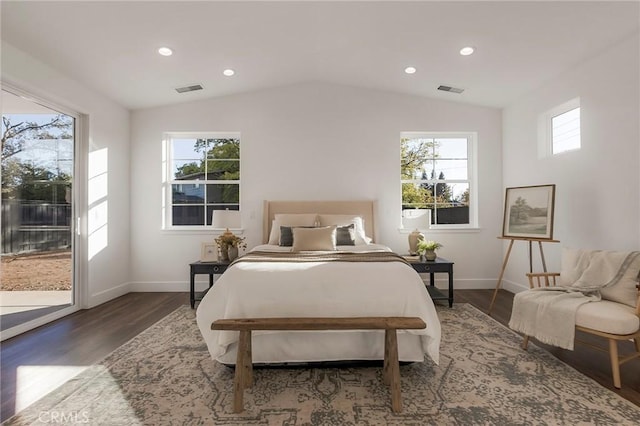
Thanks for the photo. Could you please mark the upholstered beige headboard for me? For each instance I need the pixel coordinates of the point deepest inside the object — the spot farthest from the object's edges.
(361, 208)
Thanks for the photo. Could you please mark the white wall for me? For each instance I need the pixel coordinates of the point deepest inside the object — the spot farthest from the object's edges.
(107, 273)
(597, 187)
(312, 141)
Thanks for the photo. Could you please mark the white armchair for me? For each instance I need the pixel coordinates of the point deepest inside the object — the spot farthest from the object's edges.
(616, 317)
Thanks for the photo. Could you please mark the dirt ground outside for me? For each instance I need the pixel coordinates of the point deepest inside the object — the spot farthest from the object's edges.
(36, 272)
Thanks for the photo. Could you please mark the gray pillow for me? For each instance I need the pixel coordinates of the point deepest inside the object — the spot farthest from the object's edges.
(346, 235)
(286, 235)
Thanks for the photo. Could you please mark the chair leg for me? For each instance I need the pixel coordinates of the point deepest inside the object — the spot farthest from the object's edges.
(636, 341)
(615, 363)
(525, 342)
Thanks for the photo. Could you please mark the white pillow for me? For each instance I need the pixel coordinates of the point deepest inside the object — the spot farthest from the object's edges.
(347, 219)
(285, 219)
(305, 239)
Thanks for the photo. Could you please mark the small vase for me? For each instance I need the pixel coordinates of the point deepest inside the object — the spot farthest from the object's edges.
(232, 253)
(430, 255)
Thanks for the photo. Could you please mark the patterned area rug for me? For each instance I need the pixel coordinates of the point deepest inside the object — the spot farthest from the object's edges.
(166, 376)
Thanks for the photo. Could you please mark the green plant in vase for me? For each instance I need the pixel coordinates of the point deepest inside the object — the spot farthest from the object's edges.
(428, 249)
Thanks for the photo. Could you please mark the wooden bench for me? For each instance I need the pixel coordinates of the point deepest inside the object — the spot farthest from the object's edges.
(244, 364)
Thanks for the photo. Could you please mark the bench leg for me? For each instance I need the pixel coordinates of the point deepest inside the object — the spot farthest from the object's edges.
(386, 372)
(615, 362)
(248, 364)
(392, 365)
(243, 370)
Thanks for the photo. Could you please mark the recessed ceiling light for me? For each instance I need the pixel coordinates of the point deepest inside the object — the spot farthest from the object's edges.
(410, 70)
(165, 51)
(228, 72)
(466, 51)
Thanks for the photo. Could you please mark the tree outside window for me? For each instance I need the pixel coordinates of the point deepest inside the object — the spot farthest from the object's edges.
(436, 175)
(204, 176)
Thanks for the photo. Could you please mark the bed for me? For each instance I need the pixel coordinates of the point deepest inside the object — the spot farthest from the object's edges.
(360, 278)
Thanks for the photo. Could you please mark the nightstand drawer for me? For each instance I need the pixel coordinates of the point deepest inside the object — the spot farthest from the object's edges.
(421, 267)
(218, 269)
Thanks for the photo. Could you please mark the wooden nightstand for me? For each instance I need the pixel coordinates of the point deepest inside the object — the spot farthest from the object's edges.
(205, 268)
(432, 267)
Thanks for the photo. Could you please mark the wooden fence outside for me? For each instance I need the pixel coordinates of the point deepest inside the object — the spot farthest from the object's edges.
(29, 227)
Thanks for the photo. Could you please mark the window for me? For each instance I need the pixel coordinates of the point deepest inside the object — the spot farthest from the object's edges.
(438, 180)
(560, 128)
(203, 175)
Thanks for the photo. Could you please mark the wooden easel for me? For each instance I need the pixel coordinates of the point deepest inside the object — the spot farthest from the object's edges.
(506, 260)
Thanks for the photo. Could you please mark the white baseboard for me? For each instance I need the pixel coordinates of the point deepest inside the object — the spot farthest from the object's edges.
(514, 287)
(442, 283)
(109, 294)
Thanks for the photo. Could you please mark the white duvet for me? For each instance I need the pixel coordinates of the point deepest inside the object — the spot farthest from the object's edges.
(319, 289)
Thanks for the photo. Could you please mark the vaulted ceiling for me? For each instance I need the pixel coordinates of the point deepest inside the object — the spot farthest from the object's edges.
(112, 46)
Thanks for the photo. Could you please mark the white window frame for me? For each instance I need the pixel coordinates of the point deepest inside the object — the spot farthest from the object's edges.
(545, 128)
(167, 173)
(472, 180)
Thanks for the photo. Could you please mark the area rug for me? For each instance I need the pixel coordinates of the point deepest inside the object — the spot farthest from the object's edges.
(165, 376)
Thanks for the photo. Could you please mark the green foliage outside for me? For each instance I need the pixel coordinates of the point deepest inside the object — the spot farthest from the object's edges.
(414, 155)
(220, 162)
(26, 179)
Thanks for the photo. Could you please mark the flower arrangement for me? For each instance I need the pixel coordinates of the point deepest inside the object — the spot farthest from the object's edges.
(229, 240)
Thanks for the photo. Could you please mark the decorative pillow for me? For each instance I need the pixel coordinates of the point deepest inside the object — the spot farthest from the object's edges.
(625, 291)
(305, 239)
(573, 264)
(286, 235)
(347, 219)
(346, 235)
(282, 219)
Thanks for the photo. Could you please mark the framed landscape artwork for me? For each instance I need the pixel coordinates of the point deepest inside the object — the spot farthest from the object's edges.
(528, 212)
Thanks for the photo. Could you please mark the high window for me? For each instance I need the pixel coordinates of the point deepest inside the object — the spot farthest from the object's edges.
(203, 173)
(438, 180)
(560, 128)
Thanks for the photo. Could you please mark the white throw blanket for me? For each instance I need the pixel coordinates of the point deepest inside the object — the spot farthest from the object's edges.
(549, 313)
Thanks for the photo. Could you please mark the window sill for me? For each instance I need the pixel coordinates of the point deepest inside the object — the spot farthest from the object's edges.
(187, 230)
(442, 230)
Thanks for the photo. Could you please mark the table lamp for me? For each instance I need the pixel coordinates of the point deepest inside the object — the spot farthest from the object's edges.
(225, 219)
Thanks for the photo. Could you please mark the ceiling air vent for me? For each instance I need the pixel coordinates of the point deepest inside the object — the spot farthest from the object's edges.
(186, 89)
(450, 89)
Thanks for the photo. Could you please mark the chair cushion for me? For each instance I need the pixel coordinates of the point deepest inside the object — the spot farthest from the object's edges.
(608, 317)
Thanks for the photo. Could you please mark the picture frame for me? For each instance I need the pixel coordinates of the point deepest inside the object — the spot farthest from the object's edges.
(528, 212)
(209, 252)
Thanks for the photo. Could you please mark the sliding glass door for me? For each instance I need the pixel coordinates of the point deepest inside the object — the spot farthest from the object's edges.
(37, 222)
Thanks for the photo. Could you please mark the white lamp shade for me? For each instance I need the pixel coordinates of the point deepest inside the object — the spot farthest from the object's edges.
(416, 218)
(224, 219)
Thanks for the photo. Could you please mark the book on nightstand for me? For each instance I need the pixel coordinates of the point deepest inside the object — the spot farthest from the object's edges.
(410, 258)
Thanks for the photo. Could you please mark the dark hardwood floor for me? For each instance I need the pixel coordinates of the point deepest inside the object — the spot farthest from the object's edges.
(80, 339)
(87, 336)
